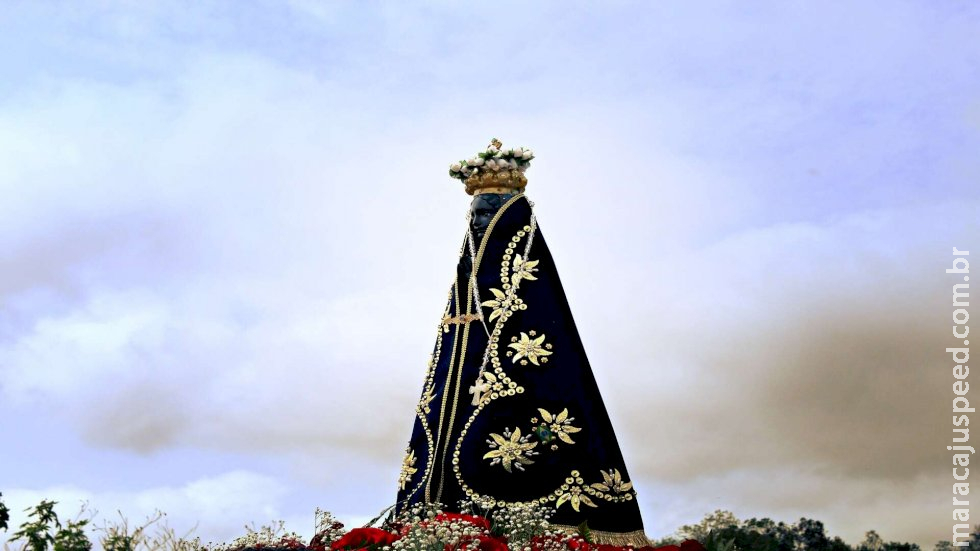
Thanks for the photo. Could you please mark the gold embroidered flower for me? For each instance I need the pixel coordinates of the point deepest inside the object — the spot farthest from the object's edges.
(501, 302)
(560, 425)
(529, 348)
(522, 270)
(574, 496)
(510, 449)
(408, 469)
(427, 397)
(614, 482)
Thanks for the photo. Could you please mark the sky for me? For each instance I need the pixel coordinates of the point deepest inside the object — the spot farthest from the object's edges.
(227, 232)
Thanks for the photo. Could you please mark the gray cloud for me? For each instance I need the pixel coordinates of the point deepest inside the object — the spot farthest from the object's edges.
(215, 242)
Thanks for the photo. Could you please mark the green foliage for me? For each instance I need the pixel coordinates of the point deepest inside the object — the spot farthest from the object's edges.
(718, 543)
(722, 531)
(874, 542)
(72, 537)
(38, 532)
(718, 520)
(4, 514)
(666, 540)
(43, 529)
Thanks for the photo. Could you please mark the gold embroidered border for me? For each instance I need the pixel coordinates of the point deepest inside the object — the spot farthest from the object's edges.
(426, 390)
(459, 376)
(442, 409)
(499, 378)
(475, 267)
(636, 538)
(571, 483)
(575, 479)
(427, 476)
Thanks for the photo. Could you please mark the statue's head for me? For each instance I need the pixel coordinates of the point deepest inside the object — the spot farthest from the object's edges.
(482, 210)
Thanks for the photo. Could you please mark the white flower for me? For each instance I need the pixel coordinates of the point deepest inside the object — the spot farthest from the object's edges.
(455, 167)
(513, 164)
(491, 164)
(527, 154)
(517, 152)
(476, 161)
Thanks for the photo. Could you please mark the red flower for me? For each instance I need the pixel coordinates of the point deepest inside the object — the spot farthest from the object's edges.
(363, 537)
(487, 542)
(578, 544)
(474, 520)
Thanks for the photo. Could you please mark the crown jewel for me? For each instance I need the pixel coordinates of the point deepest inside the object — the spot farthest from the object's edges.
(495, 170)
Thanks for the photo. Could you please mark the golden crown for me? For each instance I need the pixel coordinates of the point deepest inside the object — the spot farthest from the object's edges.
(494, 170)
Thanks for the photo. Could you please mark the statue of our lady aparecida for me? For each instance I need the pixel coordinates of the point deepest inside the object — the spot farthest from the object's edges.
(510, 412)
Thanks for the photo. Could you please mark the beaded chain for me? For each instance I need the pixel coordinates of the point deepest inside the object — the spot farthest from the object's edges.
(476, 291)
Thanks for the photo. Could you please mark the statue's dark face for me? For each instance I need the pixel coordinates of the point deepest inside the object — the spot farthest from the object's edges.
(482, 210)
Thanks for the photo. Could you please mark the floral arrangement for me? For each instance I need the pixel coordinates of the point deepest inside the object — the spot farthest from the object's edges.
(493, 159)
(425, 527)
(421, 527)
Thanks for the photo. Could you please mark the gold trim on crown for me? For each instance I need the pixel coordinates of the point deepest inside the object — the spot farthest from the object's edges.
(501, 181)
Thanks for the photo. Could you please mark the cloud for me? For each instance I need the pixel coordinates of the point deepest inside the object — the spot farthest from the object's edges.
(809, 341)
(811, 353)
(217, 241)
